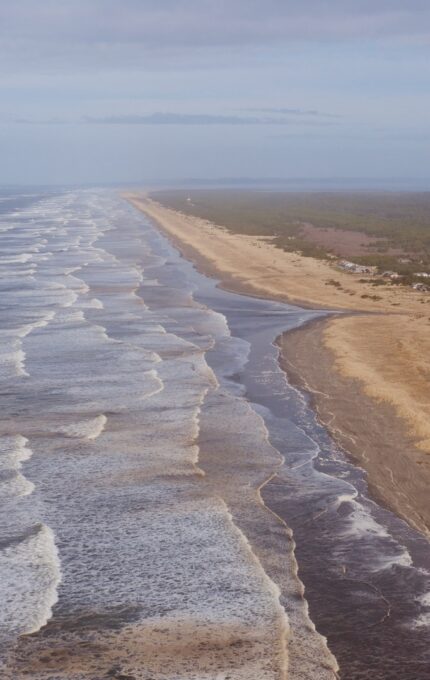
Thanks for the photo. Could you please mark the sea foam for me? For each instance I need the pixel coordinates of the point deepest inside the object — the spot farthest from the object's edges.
(13, 452)
(88, 429)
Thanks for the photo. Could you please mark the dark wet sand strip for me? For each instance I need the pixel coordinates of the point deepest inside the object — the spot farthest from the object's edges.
(370, 431)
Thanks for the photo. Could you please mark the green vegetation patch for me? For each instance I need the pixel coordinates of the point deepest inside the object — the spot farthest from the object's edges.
(400, 220)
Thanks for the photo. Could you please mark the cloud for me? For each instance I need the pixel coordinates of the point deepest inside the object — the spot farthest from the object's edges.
(288, 111)
(165, 118)
(160, 118)
(295, 112)
(110, 33)
(203, 21)
(39, 121)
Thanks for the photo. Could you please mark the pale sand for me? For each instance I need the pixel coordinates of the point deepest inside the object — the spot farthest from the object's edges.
(271, 272)
(370, 430)
(391, 357)
(387, 353)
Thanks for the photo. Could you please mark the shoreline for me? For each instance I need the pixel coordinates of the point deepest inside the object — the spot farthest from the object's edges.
(226, 281)
(372, 436)
(391, 445)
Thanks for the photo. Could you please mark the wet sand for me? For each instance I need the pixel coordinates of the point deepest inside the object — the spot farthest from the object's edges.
(370, 431)
(373, 369)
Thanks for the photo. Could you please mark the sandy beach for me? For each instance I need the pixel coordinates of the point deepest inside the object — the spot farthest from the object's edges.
(373, 365)
(365, 426)
(184, 514)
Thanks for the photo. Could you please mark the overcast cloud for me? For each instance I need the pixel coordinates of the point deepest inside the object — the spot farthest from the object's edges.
(162, 23)
(67, 35)
(224, 72)
(193, 119)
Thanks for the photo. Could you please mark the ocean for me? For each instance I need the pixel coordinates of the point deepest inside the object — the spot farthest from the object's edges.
(171, 508)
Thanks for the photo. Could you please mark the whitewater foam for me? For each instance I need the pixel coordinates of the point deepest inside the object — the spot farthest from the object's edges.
(87, 429)
(31, 574)
(13, 452)
(135, 385)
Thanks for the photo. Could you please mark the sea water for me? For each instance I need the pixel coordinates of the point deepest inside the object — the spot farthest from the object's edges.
(170, 506)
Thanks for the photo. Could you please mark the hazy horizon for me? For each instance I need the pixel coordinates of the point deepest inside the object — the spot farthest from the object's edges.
(109, 92)
(279, 184)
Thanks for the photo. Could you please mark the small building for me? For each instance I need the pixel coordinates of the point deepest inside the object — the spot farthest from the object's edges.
(355, 268)
(420, 287)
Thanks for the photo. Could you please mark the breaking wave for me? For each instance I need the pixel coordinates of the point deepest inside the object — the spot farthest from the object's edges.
(139, 450)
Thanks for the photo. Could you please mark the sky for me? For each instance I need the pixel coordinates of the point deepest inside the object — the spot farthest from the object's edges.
(129, 91)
